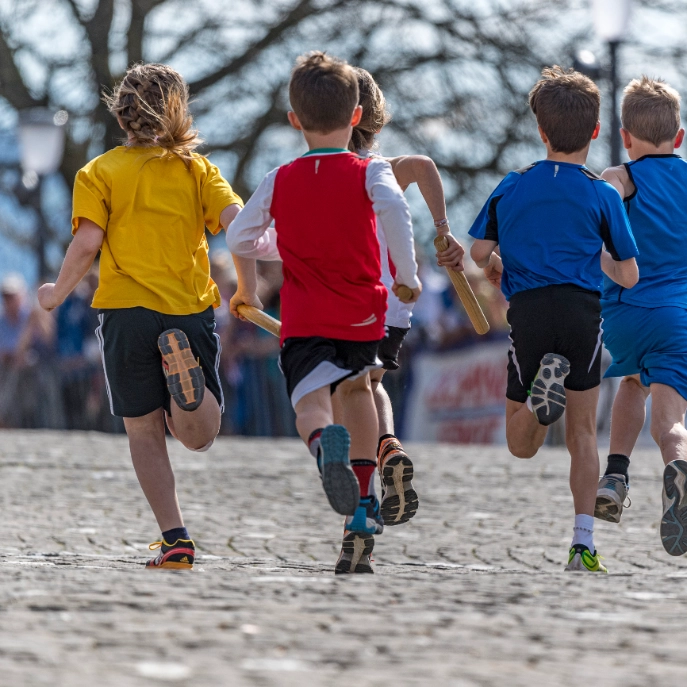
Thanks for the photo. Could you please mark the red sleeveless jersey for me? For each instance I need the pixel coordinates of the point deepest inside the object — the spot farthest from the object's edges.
(327, 238)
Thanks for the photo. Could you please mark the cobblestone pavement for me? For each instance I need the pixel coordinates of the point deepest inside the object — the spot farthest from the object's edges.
(470, 593)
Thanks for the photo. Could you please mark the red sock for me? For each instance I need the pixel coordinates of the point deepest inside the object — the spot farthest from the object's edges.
(365, 472)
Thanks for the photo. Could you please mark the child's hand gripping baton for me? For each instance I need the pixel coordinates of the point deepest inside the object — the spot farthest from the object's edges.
(260, 318)
(465, 293)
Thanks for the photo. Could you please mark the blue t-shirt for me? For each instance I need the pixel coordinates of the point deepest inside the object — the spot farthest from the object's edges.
(657, 211)
(551, 220)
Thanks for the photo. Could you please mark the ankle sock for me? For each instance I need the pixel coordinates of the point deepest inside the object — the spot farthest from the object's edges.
(583, 532)
(314, 446)
(618, 464)
(382, 439)
(365, 472)
(170, 536)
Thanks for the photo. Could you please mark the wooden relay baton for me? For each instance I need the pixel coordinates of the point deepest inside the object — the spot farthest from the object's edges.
(262, 319)
(465, 293)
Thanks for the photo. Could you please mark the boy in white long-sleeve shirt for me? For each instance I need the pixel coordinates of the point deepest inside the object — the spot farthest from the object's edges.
(325, 207)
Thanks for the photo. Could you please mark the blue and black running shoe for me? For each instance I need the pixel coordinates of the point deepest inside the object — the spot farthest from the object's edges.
(367, 518)
(338, 479)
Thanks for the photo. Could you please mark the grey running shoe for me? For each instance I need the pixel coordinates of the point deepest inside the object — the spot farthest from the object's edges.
(547, 393)
(610, 498)
(338, 479)
(674, 520)
(355, 554)
(399, 499)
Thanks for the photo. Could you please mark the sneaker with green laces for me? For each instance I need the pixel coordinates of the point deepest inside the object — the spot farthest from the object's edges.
(581, 559)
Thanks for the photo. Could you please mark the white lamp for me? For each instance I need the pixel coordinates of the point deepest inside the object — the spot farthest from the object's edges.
(611, 19)
(41, 140)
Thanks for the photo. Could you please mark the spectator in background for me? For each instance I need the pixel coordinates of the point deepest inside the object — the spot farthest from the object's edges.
(15, 315)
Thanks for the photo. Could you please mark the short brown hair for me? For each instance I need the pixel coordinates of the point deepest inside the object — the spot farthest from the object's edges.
(566, 105)
(323, 92)
(151, 102)
(651, 110)
(375, 115)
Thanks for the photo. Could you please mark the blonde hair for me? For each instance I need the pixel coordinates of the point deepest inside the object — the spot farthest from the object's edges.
(375, 115)
(566, 104)
(151, 103)
(651, 110)
(323, 92)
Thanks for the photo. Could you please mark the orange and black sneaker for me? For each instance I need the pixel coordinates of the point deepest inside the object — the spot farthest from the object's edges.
(399, 501)
(177, 556)
(185, 378)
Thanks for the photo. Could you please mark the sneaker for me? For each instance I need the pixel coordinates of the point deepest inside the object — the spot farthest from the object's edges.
(674, 520)
(185, 379)
(581, 559)
(610, 498)
(399, 499)
(356, 550)
(338, 479)
(177, 556)
(367, 517)
(547, 393)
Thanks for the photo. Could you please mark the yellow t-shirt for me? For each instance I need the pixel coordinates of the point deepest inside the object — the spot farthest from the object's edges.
(154, 212)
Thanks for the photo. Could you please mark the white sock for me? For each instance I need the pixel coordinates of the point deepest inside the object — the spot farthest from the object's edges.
(583, 532)
(528, 403)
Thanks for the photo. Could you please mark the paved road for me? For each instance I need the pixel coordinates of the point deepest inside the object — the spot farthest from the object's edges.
(470, 593)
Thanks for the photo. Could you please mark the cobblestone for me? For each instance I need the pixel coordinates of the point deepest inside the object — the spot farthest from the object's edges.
(470, 593)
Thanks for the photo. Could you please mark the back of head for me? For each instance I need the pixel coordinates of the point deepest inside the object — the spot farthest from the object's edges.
(151, 103)
(375, 114)
(651, 110)
(323, 92)
(566, 105)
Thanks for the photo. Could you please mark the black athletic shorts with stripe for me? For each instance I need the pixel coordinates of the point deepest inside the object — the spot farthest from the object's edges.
(563, 319)
(132, 362)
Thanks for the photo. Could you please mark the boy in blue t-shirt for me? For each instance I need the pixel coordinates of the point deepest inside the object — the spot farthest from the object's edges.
(645, 329)
(550, 222)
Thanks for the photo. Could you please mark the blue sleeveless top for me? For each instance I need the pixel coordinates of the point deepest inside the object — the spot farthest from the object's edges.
(658, 215)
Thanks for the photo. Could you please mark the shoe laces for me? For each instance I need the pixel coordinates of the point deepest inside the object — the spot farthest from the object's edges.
(155, 545)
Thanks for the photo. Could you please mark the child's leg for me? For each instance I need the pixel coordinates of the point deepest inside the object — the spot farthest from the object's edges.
(314, 412)
(360, 416)
(668, 422)
(196, 429)
(524, 434)
(385, 413)
(153, 469)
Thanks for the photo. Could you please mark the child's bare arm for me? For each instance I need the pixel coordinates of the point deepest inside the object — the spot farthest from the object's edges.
(247, 277)
(228, 215)
(623, 272)
(80, 255)
(620, 180)
(481, 251)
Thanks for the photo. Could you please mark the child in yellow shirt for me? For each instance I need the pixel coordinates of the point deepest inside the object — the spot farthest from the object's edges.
(145, 206)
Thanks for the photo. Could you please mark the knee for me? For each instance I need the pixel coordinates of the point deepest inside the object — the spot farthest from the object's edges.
(522, 451)
(200, 449)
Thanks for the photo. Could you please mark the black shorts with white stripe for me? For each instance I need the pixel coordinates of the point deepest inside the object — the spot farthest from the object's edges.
(132, 362)
(563, 319)
(310, 363)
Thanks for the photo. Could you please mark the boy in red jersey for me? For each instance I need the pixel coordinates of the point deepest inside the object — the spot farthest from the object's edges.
(325, 206)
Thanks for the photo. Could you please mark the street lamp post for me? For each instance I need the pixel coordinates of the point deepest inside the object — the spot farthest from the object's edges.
(611, 19)
(41, 142)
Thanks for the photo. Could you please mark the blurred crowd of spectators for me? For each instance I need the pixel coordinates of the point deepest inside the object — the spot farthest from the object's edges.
(50, 365)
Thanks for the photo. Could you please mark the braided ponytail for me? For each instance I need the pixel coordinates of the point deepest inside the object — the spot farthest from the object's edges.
(151, 104)
(375, 114)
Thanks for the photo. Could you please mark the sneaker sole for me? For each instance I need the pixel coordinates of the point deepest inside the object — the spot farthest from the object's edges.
(185, 379)
(400, 502)
(547, 396)
(170, 566)
(674, 520)
(607, 509)
(358, 546)
(338, 479)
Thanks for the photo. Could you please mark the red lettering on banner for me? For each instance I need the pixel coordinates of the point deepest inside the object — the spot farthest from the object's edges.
(476, 431)
(473, 386)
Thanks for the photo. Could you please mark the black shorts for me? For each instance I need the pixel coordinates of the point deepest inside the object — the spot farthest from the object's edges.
(312, 362)
(564, 319)
(390, 347)
(132, 362)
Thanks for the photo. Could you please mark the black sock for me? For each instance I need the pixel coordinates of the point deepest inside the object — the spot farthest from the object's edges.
(384, 437)
(170, 536)
(618, 465)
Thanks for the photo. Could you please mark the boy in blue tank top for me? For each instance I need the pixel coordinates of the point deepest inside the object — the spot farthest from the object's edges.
(645, 329)
(550, 222)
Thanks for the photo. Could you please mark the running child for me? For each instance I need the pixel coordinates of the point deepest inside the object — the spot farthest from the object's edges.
(551, 221)
(645, 329)
(325, 206)
(145, 206)
(399, 501)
